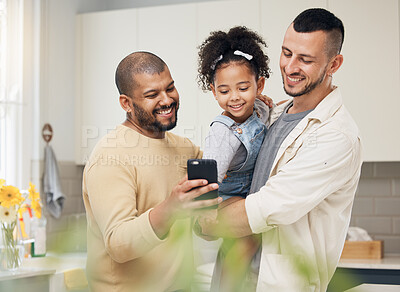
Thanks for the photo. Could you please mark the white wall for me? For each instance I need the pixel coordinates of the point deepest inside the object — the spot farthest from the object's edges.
(57, 86)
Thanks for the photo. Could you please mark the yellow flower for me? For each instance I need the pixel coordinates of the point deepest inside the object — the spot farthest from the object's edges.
(37, 208)
(33, 194)
(10, 196)
(2, 182)
(8, 215)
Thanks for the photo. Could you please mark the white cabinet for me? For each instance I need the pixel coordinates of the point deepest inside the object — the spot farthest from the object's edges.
(103, 39)
(369, 78)
(169, 32)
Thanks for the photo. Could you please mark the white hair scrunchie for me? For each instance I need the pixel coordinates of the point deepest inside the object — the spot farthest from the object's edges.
(237, 53)
(240, 53)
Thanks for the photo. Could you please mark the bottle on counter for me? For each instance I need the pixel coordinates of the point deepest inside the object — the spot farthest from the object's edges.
(38, 233)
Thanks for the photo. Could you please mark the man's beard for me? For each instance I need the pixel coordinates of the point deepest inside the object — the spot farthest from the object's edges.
(149, 122)
(307, 89)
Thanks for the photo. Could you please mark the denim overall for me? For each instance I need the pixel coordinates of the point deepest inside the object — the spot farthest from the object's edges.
(251, 133)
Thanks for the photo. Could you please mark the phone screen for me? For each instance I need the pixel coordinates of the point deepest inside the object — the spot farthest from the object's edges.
(204, 169)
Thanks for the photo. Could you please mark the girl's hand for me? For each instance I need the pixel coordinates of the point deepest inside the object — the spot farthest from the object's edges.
(266, 99)
(282, 102)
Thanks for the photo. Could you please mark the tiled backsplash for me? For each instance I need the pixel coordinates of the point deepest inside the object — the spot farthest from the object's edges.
(376, 207)
(67, 233)
(377, 204)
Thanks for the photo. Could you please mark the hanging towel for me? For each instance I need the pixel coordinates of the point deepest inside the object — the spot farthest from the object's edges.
(51, 184)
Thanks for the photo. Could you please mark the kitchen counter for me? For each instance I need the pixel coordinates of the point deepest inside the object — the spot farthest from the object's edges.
(390, 261)
(44, 273)
(25, 273)
(375, 288)
(55, 261)
(353, 272)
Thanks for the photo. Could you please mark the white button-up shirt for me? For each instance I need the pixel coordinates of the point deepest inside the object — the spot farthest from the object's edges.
(303, 211)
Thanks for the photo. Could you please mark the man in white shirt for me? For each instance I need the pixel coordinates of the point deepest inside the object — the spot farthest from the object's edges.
(307, 170)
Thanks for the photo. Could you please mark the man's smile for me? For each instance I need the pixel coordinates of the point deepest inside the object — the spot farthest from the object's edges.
(165, 110)
(294, 79)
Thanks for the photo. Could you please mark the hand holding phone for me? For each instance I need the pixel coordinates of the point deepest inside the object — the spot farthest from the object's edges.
(204, 169)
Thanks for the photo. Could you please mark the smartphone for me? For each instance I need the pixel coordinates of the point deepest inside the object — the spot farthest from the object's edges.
(204, 169)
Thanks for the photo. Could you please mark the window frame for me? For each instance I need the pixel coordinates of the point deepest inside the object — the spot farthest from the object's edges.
(17, 89)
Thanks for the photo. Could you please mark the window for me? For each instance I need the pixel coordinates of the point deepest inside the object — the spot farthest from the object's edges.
(11, 97)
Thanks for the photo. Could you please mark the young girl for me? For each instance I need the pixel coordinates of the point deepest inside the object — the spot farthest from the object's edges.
(234, 67)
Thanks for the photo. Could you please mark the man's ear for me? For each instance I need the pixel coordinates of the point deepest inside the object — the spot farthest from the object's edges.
(336, 63)
(213, 90)
(260, 85)
(125, 101)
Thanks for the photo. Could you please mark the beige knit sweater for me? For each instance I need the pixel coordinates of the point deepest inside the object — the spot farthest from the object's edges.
(127, 175)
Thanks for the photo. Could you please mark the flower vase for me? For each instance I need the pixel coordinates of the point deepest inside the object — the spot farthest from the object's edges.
(11, 252)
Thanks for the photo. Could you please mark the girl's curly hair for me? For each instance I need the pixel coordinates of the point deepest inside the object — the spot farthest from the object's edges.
(223, 44)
